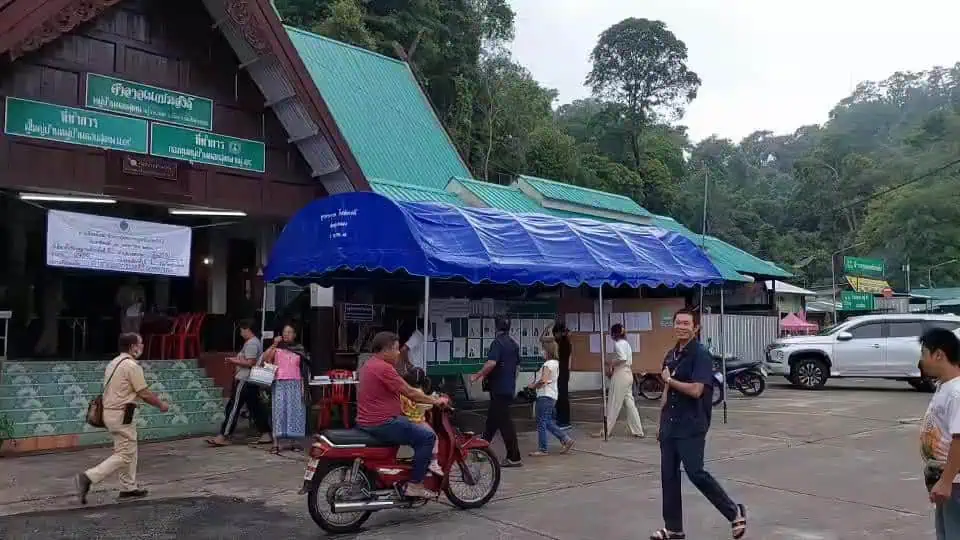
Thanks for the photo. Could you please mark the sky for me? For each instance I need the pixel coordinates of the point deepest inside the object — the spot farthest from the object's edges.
(765, 64)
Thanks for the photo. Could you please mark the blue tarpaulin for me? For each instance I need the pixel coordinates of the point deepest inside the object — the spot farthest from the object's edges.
(366, 231)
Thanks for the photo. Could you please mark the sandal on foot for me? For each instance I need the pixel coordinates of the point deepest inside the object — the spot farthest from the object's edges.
(664, 534)
(275, 450)
(739, 525)
(217, 444)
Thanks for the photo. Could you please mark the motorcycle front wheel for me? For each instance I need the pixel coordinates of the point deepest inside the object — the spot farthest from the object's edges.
(473, 490)
(718, 391)
(322, 492)
(751, 384)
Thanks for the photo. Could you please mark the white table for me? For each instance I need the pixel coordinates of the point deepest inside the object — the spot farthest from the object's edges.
(315, 382)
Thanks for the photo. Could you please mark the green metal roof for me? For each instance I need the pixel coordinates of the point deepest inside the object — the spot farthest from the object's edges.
(379, 107)
(741, 260)
(943, 293)
(727, 269)
(404, 192)
(581, 196)
(507, 198)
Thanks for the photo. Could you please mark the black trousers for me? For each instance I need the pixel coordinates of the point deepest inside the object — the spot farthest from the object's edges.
(245, 393)
(499, 419)
(689, 452)
(563, 398)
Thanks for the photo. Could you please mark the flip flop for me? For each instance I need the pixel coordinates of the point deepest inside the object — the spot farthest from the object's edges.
(215, 444)
(739, 525)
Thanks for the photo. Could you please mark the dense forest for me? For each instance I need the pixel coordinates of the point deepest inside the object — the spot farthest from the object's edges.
(879, 175)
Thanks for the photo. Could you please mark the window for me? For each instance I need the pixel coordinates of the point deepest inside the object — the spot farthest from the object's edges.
(867, 331)
(946, 325)
(907, 329)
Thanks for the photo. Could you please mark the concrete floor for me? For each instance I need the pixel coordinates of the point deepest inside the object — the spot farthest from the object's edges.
(841, 463)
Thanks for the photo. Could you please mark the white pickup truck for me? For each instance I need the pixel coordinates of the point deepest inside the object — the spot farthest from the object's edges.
(870, 346)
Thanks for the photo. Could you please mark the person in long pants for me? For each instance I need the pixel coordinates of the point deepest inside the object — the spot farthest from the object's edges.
(244, 392)
(123, 387)
(685, 411)
(503, 361)
(620, 369)
(564, 351)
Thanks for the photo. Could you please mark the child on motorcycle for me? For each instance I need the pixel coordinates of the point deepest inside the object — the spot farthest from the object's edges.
(417, 378)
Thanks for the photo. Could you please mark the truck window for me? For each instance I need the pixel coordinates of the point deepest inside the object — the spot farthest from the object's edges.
(946, 325)
(867, 331)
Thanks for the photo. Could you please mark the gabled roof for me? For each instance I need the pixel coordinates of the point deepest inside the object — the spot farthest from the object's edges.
(508, 198)
(383, 113)
(570, 197)
(404, 192)
(786, 288)
(254, 31)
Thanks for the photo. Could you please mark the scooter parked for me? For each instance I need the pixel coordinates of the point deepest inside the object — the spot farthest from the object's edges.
(746, 376)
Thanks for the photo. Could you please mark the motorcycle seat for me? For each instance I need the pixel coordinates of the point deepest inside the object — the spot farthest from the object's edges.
(737, 363)
(353, 436)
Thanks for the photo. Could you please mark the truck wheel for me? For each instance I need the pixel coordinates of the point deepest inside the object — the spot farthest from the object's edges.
(810, 373)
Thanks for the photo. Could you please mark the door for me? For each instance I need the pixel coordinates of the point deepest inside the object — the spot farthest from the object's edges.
(862, 355)
(903, 347)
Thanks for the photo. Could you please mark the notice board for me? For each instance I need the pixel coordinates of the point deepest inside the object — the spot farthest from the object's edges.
(653, 343)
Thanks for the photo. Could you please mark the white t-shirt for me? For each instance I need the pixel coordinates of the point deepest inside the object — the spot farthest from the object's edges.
(623, 351)
(940, 423)
(552, 369)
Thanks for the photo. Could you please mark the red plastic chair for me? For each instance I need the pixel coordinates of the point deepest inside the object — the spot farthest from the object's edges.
(336, 395)
(166, 339)
(188, 342)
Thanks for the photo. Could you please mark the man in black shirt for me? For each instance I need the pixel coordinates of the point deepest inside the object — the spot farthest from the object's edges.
(562, 336)
(500, 370)
(685, 411)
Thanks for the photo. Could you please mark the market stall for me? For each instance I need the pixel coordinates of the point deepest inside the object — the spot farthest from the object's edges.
(441, 244)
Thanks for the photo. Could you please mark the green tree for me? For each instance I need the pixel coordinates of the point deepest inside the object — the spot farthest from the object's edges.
(641, 65)
(345, 23)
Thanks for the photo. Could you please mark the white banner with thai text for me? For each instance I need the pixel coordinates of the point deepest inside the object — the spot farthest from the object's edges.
(117, 245)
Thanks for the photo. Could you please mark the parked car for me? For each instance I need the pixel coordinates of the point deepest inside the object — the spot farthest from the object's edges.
(865, 347)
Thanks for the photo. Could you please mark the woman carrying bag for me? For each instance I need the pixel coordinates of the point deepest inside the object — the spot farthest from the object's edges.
(290, 392)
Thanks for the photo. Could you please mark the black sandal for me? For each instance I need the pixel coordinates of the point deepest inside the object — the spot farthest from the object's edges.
(664, 534)
(739, 525)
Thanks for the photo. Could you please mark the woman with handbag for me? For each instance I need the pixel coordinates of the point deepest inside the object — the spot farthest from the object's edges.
(289, 401)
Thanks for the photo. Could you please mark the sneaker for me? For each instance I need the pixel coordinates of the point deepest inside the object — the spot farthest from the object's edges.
(132, 494)
(419, 492)
(538, 453)
(567, 446)
(435, 468)
(83, 487)
(511, 464)
(566, 427)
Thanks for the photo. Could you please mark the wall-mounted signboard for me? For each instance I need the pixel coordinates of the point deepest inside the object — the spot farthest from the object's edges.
(204, 147)
(49, 122)
(150, 102)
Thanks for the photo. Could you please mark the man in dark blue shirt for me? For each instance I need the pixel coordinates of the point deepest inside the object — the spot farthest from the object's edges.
(500, 370)
(685, 411)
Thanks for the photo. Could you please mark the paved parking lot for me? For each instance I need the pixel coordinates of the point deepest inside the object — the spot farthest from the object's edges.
(841, 463)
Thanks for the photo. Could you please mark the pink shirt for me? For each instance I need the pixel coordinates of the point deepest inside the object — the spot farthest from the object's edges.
(288, 365)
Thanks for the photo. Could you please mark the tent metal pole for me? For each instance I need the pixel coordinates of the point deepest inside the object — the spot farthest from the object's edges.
(723, 356)
(603, 364)
(263, 311)
(426, 322)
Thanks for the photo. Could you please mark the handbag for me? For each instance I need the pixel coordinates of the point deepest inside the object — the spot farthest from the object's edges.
(95, 407)
(263, 375)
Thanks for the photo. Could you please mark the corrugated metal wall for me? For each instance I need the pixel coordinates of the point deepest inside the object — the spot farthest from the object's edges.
(746, 336)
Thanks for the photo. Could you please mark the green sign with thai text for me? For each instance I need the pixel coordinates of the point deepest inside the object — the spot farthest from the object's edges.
(204, 147)
(58, 123)
(856, 266)
(855, 301)
(125, 97)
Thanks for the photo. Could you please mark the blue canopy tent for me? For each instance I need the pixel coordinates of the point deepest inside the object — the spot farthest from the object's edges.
(366, 231)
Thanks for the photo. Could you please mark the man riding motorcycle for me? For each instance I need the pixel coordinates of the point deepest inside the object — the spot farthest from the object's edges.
(379, 411)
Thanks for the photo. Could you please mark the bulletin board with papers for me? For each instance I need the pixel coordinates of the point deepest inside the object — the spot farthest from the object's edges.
(648, 323)
(462, 330)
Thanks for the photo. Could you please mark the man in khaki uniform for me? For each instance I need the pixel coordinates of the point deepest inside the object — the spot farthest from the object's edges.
(123, 385)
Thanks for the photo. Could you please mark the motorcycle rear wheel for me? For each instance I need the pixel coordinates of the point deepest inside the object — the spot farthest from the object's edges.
(751, 384)
(320, 492)
(480, 456)
(650, 387)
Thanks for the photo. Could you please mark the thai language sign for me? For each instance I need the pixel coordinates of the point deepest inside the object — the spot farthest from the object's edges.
(856, 266)
(126, 97)
(856, 301)
(118, 245)
(58, 123)
(203, 147)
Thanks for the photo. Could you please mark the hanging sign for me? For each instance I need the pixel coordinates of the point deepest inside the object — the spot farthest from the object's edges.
(150, 102)
(117, 245)
(204, 147)
(58, 123)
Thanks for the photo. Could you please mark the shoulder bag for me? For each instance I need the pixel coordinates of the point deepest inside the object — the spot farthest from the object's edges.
(95, 407)
(262, 374)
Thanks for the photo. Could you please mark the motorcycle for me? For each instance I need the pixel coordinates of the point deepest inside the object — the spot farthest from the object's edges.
(350, 474)
(749, 377)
